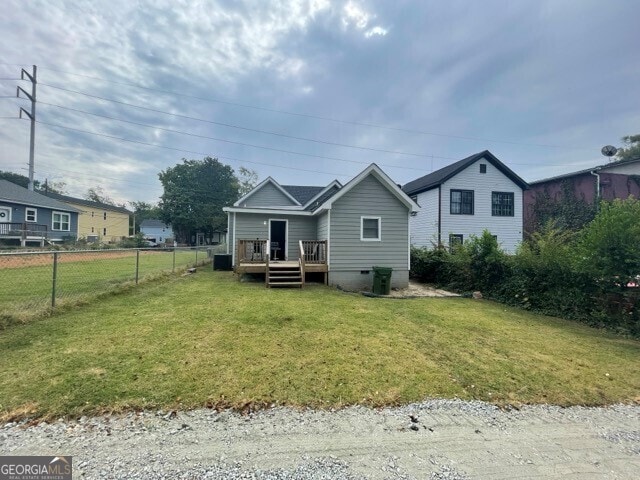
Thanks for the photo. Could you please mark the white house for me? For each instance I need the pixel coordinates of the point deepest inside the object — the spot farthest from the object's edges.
(465, 198)
(156, 229)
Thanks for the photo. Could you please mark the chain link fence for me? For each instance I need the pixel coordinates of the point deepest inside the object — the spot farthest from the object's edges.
(33, 283)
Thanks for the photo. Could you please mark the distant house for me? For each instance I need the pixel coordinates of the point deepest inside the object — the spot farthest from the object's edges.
(98, 222)
(156, 229)
(465, 198)
(341, 231)
(30, 217)
(607, 182)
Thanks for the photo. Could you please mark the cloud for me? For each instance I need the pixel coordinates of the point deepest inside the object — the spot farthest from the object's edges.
(445, 79)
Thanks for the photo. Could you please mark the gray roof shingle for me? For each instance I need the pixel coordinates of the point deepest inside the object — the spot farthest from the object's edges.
(438, 177)
(10, 192)
(153, 223)
(87, 203)
(302, 193)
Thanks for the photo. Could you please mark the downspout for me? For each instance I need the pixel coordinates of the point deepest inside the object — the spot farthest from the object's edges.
(439, 215)
(597, 197)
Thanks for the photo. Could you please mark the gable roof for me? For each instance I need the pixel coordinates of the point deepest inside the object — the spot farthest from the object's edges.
(153, 223)
(10, 192)
(376, 172)
(586, 170)
(261, 185)
(438, 177)
(303, 193)
(87, 203)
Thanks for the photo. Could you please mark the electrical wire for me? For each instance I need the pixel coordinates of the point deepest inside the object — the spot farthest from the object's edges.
(324, 142)
(317, 117)
(113, 137)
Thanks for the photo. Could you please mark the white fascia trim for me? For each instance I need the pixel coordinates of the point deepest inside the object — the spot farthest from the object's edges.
(267, 211)
(328, 240)
(262, 184)
(37, 205)
(335, 183)
(377, 172)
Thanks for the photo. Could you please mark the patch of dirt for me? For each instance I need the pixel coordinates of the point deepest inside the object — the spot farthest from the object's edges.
(415, 289)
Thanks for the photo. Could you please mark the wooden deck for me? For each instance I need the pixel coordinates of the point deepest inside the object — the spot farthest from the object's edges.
(256, 256)
(253, 267)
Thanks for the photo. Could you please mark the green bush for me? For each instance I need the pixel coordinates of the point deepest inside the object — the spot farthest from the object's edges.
(586, 276)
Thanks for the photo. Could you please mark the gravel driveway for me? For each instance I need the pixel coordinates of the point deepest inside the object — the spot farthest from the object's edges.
(439, 439)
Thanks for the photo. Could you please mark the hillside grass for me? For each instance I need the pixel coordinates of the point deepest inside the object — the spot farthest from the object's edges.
(207, 339)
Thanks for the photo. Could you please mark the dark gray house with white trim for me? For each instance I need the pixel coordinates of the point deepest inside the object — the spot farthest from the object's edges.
(339, 230)
(30, 217)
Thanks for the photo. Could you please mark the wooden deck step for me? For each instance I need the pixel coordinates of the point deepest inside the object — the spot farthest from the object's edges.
(283, 275)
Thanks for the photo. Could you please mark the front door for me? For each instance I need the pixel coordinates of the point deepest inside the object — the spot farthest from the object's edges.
(5, 216)
(278, 239)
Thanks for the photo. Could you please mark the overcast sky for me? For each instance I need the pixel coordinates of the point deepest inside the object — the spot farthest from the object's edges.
(311, 91)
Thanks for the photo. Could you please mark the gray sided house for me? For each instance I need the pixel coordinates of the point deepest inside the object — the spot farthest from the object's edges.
(465, 198)
(339, 230)
(30, 217)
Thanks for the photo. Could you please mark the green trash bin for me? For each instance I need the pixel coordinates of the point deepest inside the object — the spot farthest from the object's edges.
(382, 280)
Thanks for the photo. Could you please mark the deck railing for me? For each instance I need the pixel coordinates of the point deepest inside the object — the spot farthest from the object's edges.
(252, 251)
(314, 251)
(23, 230)
(302, 261)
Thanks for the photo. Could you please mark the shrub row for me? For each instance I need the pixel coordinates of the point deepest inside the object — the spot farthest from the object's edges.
(589, 275)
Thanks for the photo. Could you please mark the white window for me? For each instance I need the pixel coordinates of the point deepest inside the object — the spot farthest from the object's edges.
(61, 221)
(31, 215)
(370, 229)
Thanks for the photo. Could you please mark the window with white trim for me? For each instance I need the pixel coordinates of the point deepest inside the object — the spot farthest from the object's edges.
(370, 229)
(61, 221)
(31, 215)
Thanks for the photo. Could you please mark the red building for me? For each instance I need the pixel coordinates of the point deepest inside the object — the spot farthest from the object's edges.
(613, 180)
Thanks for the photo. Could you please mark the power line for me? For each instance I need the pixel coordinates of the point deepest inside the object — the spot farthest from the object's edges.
(324, 142)
(229, 141)
(113, 137)
(318, 117)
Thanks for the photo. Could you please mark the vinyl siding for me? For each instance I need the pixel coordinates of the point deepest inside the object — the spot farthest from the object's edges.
(250, 226)
(424, 225)
(349, 253)
(507, 229)
(268, 196)
(160, 234)
(44, 217)
(323, 226)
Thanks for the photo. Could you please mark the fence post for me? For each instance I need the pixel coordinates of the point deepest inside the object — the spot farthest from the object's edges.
(173, 270)
(196, 256)
(54, 279)
(137, 264)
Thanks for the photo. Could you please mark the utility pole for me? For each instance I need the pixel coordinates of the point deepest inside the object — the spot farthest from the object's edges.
(32, 144)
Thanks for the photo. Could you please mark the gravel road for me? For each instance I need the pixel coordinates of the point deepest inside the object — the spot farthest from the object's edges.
(439, 439)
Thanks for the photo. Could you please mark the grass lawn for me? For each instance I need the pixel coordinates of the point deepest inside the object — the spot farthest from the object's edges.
(208, 339)
(27, 286)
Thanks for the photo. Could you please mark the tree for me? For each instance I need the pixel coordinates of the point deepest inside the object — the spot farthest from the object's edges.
(195, 192)
(98, 194)
(632, 149)
(609, 249)
(17, 179)
(53, 187)
(144, 211)
(247, 179)
(23, 181)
